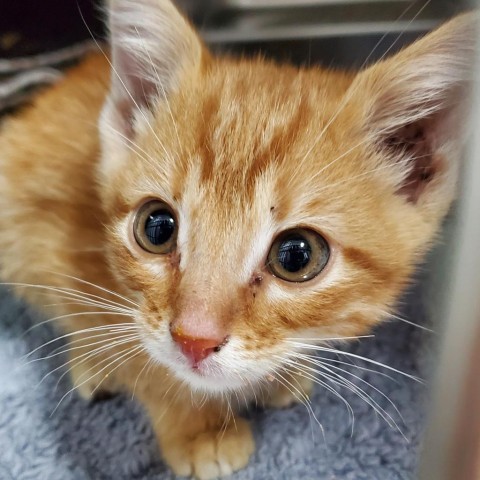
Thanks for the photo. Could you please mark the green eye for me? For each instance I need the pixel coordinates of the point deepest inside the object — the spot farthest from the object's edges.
(155, 227)
(298, 255)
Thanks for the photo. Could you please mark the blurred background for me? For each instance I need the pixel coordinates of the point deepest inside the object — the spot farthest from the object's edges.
(301, 30)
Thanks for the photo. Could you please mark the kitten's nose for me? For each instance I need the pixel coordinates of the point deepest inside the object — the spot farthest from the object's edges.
(196, 349)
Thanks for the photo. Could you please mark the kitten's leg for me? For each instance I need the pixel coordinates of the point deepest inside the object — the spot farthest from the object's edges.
(293, 388)
(88, 380)
(93, 364)
(199, 438)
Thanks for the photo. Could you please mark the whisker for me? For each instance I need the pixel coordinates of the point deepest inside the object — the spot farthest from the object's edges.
(252, 389)
(386, 166)
(133, 147)
(359, 357)
(331, 368)
(99, 287)
(65, 291)
(118, 332)
(84, 303)
(129, 352)
(172, 400)
(81, 359)
(228, 416)
(131, 357)
(341, 381)
(85, 330)
(76, 314)
(303, 398)
(325, 385)
(409, 322)
(349, 364)
(329, 339)
(69, 348)
(145, 367)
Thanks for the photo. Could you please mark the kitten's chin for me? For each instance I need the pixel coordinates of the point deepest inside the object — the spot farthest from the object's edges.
(203, 379)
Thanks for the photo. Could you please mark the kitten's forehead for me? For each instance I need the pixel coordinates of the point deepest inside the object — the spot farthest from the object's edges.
(246, 123)
(238, 154)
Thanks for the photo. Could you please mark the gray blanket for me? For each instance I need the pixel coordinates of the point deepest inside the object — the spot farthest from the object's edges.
(113, 439)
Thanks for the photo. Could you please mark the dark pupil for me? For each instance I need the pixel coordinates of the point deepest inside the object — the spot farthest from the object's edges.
(294, 254)
(159, 227)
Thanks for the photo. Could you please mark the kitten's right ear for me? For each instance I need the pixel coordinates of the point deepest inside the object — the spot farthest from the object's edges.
(153, 48)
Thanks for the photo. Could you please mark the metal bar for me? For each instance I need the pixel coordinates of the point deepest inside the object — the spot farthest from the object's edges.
(239, 21)
(299, 32)
(275, 4)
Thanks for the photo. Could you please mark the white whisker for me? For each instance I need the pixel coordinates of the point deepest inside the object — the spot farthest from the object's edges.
(98, 287)
(84, 346)
(302, 397)
(316, 380)
(331, 368)
(136, 350)
(353, 355)
(77, 314)
(145, 367)
(82, 358)
(114, 328)
(409, 322)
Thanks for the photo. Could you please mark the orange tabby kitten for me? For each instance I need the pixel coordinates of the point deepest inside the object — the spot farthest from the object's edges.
(212, 213)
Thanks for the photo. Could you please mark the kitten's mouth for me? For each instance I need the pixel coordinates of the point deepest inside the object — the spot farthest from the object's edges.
(205, 372)
(206, 375)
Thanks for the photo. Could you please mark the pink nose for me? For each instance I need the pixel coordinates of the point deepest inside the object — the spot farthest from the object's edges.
(196, 349)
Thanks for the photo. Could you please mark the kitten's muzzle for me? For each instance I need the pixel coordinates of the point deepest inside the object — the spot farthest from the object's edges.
(196, 349)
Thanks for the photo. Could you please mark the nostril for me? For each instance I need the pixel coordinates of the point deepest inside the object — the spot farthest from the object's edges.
(221, 345)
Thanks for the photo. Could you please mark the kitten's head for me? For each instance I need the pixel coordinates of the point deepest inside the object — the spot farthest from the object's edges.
(251, 204)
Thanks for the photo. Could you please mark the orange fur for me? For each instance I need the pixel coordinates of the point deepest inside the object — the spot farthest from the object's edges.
(240, 150)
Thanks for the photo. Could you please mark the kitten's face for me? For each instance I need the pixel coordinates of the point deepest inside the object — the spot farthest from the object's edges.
(255, 205)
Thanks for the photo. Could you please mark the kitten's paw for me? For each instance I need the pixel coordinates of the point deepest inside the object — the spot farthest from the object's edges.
(284, 395)
(211, 454)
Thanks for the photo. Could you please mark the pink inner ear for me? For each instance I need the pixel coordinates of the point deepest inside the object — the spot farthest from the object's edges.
(133, 89)
(412, 145)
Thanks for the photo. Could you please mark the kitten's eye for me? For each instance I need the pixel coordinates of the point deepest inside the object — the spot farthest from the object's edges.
(155, 227)
(298, 255)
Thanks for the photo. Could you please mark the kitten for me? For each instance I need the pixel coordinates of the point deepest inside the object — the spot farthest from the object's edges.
(194, 218)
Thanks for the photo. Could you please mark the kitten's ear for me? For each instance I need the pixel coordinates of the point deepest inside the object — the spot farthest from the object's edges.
(415, 105)
(152, 48)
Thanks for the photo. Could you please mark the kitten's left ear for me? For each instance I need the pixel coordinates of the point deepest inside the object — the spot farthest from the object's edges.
(415, 106)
